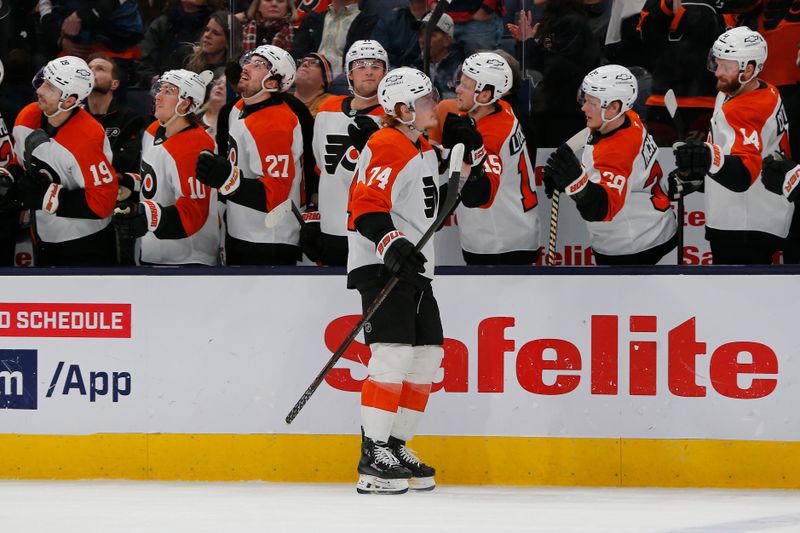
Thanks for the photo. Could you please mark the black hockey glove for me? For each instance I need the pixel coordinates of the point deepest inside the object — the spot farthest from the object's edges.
(130, 184)
(462, 129)
(399, 256)
(361, 131)
(130, 223)
(311, 236)
(564, 171)
(32, 189)
(8, 192)
(781, 176)
(217, 172)
(679, 185)
(32, 141)
(696, 159)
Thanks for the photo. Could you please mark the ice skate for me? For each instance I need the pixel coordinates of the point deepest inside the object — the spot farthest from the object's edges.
(421, 474)
(380, 471)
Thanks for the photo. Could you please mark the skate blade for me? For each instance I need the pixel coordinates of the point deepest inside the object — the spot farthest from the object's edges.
(375, 485)
(422, 483)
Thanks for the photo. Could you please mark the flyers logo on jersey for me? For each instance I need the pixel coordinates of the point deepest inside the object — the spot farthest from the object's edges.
(339, 149)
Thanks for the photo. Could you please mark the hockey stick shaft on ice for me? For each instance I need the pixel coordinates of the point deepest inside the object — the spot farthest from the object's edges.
(575, 143)
(445, 209)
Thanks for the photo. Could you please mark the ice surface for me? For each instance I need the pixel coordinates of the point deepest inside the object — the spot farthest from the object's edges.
(173, 507)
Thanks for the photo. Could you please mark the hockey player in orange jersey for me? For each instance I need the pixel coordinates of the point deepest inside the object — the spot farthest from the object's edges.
(176, 222)
(68, 180)
(619, 188)
(393, 201)
(341, 128)
(745, 223)
(263, 167)
(505, 230)
(9, 207)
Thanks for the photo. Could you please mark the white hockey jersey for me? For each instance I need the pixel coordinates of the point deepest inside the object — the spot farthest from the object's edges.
(168, 178)
(266, 143)
(393, 176)
(639, 213)
(79, 157)
(750, 126)
(336, 158)
(509, 221)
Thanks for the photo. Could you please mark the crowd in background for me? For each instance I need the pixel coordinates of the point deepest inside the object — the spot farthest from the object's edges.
(551, 45)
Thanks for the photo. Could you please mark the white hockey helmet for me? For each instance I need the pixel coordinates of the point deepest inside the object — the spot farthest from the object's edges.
(281, 65)
(190, 85)
(740, 44)
(366, 49)
(404, 85)
(69, 74)
(608, 84)
(489, 69)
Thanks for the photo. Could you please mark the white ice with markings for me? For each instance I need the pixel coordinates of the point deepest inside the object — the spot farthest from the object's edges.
(172, 507)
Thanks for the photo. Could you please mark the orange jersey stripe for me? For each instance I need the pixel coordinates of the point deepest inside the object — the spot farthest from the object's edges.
(195, 198)
(415, 396)
(385, 396)
(274, 140)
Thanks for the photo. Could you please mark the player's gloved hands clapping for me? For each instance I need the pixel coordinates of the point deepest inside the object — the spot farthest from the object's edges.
(781, 176)
(32, 188)
(311, 235)
(562, 170)
(399, 256)
(694, 159)
(130, 222)
(217, 172)
(462, 129)
(679, 185)
(361, 131)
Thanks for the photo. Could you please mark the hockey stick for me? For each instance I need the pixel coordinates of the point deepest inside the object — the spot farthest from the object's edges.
(437, 13)
(671, 103)
(445, 209)
(276, 214)
(575, 143)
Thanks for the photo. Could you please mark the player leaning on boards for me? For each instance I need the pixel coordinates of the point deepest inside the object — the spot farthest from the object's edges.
(342, 127)
(745, 223)
(68, 178)
(176, 222)
(263, 165)
(505, 231)
(619, 187)
(393, 201)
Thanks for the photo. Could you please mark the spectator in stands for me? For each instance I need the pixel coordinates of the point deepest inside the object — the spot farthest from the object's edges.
(167, 41)
(561, 46)
(314, 75)
(479, 24)
(83, 27)
(217, 98)
(332, 32)
(87, 26)
(269, 22)
(305, 7)
(675, 47)
(123, 126)
(397, 33)
(211, 52)
(446, 55)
